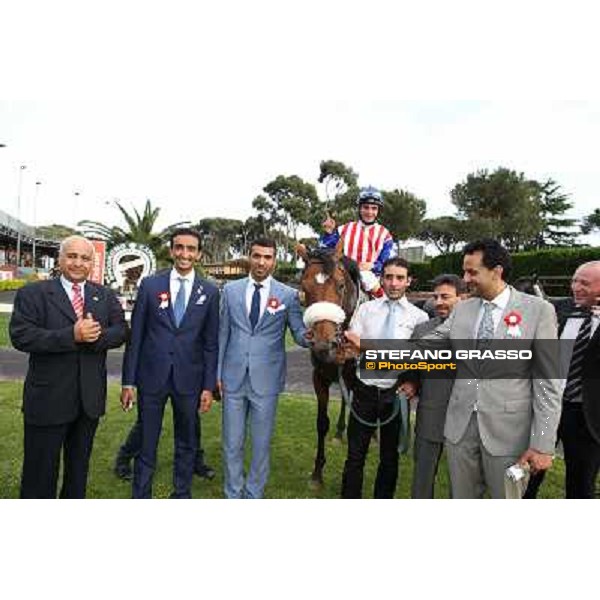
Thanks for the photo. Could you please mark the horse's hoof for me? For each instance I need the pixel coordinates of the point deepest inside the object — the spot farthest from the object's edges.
(337, 440)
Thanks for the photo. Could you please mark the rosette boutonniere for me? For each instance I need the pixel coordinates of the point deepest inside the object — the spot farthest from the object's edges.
(274, 306)
(163, 298)
(513, 319)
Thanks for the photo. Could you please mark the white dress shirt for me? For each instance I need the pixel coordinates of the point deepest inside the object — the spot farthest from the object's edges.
(264, 294)
(368, 321)
(68, 287)
(175, 283)
(500, 302)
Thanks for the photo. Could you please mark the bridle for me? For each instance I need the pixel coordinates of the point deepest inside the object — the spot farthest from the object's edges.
(328, 311)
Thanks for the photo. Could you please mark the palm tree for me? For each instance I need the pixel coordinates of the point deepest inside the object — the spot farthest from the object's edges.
(139, 230)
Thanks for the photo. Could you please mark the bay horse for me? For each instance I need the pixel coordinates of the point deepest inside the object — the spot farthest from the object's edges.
(330, 286)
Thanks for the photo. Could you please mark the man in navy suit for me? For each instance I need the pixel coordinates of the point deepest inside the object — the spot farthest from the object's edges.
(66, 325)
(173, 352)
(255, 313)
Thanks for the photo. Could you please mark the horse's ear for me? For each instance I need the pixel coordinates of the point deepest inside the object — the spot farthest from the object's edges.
(339, 250)
(302, 251)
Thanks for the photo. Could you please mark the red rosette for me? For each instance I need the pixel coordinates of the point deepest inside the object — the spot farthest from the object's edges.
(273, 303)
(513, 318)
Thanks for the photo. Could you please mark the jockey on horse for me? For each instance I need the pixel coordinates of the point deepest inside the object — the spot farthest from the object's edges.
(365, 241)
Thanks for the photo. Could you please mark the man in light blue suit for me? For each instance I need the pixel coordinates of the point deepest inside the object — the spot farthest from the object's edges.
(255, 312)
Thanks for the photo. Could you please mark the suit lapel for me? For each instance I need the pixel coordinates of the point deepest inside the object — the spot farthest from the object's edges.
(512, 304)
(470, 318)
(241, 301)
(59, 298)
(91, 299)
(164, 285)
(274, 292)
(194, 295)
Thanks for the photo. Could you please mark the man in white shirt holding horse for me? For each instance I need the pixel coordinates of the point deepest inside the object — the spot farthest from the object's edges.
(374, 401)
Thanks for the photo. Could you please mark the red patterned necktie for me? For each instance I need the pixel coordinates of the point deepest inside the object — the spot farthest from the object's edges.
(77, 301)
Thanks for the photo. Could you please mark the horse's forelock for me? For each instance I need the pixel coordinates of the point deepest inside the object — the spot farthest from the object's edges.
(323, 256)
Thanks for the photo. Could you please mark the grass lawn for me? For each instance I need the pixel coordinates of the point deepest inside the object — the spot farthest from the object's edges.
(292, 457)
(4, 339)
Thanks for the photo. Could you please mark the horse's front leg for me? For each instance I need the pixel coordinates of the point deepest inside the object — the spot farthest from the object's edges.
(340, 428)
(347, 374)
(322, 392)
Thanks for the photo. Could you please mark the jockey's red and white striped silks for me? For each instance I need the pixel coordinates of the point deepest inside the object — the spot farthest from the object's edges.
(363, 243)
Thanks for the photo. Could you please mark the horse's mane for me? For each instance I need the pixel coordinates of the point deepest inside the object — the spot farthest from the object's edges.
(352, 267)
(324, 256)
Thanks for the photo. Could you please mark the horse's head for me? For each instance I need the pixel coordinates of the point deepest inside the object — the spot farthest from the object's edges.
(329, 285)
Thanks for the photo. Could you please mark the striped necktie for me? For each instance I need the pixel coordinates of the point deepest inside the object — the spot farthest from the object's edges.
(575, 376)
(77, 301)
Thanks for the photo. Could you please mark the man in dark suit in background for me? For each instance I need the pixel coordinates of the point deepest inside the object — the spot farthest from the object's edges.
(579, 427)
(66, 325)
(433, 394)
(172, 352)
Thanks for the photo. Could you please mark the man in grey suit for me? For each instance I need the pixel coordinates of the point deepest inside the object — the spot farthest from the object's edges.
(433, 394)
(255, 312)
(493, 422)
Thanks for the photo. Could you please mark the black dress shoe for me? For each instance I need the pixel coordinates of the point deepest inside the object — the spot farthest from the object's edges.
(205, 472)
(123, 471)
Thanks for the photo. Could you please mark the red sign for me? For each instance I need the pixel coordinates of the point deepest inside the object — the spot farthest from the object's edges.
(97, 274)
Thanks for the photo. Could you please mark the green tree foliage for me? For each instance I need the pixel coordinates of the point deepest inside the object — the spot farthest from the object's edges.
(289, 202)
(54, 232)
(445, 233)
(591, 222)
(253, 227)
(502, 204)
(341, 189)
(220, 237)
(402, 214)
(557, 230)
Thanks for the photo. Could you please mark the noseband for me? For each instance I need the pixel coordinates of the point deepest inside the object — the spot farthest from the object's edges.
(327, 311)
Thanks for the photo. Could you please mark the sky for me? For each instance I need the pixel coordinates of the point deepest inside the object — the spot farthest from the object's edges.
(198, 108)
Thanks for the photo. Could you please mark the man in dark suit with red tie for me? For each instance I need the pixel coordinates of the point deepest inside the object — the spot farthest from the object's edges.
(66, 325)
(172, 353)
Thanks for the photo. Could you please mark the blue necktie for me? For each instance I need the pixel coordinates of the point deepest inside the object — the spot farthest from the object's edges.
(255, 306)
(389, 325)
(179, 306)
